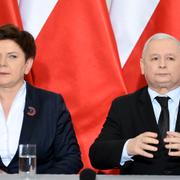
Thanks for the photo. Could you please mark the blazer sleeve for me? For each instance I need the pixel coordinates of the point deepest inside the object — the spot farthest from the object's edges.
(67, 157)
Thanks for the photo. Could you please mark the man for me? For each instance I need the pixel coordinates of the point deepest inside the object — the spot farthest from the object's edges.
(136, 137)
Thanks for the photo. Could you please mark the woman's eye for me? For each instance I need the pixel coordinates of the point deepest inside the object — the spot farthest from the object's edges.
(12, 56)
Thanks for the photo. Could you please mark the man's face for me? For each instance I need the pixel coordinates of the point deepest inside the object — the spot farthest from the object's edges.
(161, 65)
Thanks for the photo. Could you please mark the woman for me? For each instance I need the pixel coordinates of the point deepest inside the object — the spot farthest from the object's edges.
(29, 115)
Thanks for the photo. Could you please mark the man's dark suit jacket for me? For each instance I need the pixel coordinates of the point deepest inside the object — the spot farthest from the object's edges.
(47, 123)
(128, 117)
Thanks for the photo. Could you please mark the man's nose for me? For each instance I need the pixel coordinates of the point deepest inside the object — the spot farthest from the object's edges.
(162, 63)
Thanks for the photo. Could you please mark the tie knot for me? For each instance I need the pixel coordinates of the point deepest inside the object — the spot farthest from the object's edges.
(163, 101)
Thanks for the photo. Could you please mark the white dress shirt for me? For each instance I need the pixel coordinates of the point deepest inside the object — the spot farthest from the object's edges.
(10, 128)
(173, 106)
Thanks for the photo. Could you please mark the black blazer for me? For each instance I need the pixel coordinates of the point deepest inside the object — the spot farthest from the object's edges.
(128, 117)
(47, 123)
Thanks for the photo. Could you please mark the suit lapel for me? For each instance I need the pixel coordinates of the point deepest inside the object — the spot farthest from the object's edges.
(178, 121)
(30, 116)
(147, 112)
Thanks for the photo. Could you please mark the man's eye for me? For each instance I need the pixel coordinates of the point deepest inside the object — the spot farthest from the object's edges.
(171, 58)
(154, 58)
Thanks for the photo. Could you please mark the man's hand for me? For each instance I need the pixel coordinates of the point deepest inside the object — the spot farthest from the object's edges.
(143, 143)
(173, 143)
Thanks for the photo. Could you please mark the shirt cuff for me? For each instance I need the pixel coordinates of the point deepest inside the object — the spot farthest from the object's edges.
(125, 157)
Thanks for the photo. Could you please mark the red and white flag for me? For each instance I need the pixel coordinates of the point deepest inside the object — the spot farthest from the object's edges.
(133, 23)
(77, 57)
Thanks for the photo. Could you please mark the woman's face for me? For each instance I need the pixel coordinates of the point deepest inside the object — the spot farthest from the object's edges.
(13, 66)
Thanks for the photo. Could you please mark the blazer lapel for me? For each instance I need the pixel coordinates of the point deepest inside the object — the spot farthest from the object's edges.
(30, 116)
(30, 119)
(147, 112)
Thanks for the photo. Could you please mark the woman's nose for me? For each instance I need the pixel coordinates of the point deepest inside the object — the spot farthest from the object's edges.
(2, 61)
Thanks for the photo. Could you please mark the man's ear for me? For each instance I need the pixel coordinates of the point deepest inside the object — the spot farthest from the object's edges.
(142, 66)
(28, 65)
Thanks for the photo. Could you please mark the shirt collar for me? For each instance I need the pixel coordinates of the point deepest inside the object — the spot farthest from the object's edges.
(21, 90)
(174, 94)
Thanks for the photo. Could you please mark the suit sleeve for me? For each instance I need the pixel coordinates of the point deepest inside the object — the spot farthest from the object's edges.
(67, 157)
(105, 152)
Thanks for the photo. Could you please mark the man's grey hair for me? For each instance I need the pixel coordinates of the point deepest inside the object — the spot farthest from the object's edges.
(156, 37)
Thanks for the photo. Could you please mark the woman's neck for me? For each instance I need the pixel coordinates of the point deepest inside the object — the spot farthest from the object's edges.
(7, 96)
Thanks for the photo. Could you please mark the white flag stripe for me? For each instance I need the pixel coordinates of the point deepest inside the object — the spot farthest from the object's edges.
(34, 14)
(129, 18)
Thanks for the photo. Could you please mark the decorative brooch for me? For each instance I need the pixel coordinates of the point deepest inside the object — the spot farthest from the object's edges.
(31, 111)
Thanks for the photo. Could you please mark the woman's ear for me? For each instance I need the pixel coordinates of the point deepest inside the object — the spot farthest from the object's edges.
(28, 65)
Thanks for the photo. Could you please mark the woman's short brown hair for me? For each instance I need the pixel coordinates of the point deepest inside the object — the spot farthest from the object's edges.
(23, 38)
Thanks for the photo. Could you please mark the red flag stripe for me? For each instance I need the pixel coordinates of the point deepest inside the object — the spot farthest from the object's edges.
(9, 13)
(76, 57)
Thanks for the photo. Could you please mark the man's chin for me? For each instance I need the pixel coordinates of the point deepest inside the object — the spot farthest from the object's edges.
(166, 85)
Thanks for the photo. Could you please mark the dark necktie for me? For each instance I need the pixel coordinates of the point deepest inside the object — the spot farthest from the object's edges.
(163, 122)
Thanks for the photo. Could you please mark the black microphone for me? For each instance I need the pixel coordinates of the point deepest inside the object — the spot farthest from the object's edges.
(87, 174)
